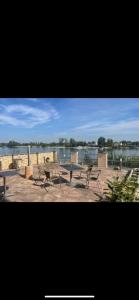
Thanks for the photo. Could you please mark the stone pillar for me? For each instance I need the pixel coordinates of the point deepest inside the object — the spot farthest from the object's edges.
(102, 160)
(55, 156)
(28, 172)
(74, 157)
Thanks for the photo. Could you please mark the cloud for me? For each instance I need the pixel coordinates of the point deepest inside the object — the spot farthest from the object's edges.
(108, 127)
(26, 116)
(88, 126)
(121, 125)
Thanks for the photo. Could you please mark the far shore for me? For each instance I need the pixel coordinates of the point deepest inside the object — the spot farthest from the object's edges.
(73, 147)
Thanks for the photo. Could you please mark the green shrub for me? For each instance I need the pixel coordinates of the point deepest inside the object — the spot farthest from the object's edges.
(122, 190)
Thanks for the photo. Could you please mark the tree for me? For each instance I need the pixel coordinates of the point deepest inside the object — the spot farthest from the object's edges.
(109, 142)
(61, 141)
(13, 144)
(72, 143)
(123, 143)
(101, 142)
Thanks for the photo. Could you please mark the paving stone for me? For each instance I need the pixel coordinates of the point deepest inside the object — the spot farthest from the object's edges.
(24, 190)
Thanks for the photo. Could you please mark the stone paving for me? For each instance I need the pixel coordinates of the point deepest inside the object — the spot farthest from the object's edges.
(24, 190)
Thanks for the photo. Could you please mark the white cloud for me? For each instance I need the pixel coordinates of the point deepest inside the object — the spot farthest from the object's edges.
(26, 116)
(109, 127)
(88, 126)
(122, 125)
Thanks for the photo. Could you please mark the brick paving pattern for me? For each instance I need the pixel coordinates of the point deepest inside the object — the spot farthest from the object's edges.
(25, 190)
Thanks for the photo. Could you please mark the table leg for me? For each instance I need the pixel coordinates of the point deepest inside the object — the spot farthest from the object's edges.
(4, 183)
(5, 192)
(70, 176)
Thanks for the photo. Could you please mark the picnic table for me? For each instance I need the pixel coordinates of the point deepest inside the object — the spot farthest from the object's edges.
(71, 168)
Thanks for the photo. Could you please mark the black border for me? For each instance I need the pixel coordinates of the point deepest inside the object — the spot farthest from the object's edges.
(94, 75)
(81, 247)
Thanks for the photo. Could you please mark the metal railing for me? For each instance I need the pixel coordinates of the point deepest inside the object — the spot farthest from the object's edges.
(127, 164)
(112, 163)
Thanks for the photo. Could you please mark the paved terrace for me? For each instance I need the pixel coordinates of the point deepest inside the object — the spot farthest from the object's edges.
(24, 190)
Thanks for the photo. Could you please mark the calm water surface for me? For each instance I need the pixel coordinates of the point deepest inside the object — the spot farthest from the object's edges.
(65, 153)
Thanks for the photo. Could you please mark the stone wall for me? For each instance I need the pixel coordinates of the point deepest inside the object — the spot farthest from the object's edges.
(36, 158)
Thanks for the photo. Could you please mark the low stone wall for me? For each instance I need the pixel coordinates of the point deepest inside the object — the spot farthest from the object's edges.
(6, 162)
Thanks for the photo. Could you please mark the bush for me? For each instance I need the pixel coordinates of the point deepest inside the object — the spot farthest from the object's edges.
(123, 190)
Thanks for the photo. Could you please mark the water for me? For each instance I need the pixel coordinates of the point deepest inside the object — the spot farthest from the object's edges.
(65, 153)
(128, 152)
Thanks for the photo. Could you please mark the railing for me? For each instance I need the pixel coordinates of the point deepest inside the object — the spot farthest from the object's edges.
(124, 164)
(127, 164)
(64, 161)
(91, 162)
(81, 161)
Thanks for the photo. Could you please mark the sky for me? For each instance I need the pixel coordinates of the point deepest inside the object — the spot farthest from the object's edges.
(47, 120)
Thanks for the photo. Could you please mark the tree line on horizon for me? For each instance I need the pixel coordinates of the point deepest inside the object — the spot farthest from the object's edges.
(101, 142)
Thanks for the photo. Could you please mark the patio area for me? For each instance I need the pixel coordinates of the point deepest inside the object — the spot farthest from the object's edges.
(25, 190)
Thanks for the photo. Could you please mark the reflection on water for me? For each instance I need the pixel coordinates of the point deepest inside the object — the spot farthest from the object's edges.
(65, 153)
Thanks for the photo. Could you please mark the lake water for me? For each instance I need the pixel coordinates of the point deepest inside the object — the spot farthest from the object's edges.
(65, 153)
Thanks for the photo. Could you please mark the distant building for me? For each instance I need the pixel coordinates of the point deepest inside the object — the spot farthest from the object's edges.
(117, 144)
(92, 144)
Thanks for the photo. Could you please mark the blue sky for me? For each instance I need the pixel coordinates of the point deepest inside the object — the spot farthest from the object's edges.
(32, 119)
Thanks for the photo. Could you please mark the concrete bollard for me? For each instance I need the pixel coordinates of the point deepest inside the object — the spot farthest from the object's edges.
(55, 156)
(102, 160)
(28, 172)
(74, 157)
